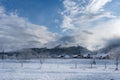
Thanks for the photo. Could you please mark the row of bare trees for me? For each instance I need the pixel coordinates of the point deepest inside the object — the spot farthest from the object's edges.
(27, 54)
(114, 55)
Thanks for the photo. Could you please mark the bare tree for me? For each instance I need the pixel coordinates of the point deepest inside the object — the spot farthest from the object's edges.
(93, 61)
(3, 54)
(91, 64)
(76, 65)
(24, 55)
(115, 54)
(42, 57)
(105, 64)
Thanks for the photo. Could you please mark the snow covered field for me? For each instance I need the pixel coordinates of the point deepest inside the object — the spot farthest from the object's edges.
(58, 69)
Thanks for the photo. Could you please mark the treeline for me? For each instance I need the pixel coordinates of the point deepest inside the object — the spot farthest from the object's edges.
(46, 52)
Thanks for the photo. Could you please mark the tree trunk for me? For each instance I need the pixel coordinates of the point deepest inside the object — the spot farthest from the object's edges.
(75, 65)
(105, 66)
(116, 65)
(91, 65)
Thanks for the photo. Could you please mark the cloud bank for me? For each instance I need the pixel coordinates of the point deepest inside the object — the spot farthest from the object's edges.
(17, 32)
(87, 23)
(91, 24)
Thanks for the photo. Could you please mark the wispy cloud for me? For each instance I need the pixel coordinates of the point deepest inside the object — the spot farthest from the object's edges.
(89, 22)
(96, 6)
(79, 13)
(17, 32)
(92, 25)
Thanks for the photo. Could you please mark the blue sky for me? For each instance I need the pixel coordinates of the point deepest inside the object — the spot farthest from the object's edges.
(36, 23)
(42, 12)
(46, 12)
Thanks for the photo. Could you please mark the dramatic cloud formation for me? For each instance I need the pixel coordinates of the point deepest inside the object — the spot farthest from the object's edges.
(90, 23)
(79, 13)
(16, 32)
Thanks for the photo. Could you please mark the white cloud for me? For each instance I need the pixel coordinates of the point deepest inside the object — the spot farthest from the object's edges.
(91, 24)
(17, 32)
(81, 13)
(98, 35)
(105, 31)
(96, 6)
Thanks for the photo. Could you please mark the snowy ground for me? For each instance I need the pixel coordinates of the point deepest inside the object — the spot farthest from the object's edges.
(58, 69)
